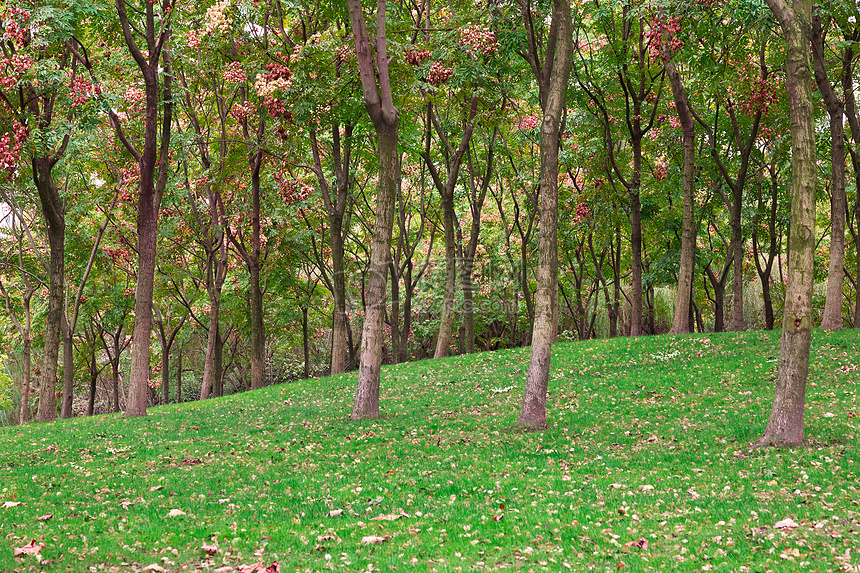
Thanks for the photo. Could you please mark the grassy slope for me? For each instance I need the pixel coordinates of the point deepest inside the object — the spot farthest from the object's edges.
(648, 440)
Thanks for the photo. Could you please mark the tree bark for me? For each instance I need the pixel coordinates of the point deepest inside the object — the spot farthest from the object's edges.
(380, 107)
(153, 161)
(831, 319)
(533, 409)
(785, 426)
(681, 322)
(54, 212)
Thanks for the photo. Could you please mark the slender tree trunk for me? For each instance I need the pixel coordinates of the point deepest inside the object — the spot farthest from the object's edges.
(338, 329)
(737, 261)
(831, 319)
(258, 334)
(68, 370)
(26, 354)
(785, 426)
(446, 319)
(94, 376)
(207, 384)
(681, 322)
(635, 217)
(306, 343)
(533, 409)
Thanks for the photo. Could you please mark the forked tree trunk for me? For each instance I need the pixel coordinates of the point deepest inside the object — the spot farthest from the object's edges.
(785, 426)
(153, 162)
(560, 46)
(384, 116)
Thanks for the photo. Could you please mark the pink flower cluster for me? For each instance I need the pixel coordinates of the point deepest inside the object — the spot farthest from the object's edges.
(763, 93)
(478, 40)
(193, 39)
(234, 74)
(14, 25)
(439, 74)
(528, 122)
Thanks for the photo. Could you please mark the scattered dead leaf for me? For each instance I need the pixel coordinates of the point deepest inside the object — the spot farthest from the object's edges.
(31, 548)
(372, 539)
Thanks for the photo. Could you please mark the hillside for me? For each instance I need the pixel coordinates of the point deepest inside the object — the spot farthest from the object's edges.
(645, 466)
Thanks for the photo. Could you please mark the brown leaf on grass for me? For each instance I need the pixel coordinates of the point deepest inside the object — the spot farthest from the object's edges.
(9, 504)
(390, 516)
(45, 517)
(155, 567)
(31, 548)
(260, 567)
(498, 517)
(372, 539)
(227, 569)
(641, 543)
(210, 549)
(175, 513)
(324, 538)
(335, 512)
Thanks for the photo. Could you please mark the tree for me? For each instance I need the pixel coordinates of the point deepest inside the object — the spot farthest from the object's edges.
(551, 72)
(153, 62)
(383, 114)
(785, 426)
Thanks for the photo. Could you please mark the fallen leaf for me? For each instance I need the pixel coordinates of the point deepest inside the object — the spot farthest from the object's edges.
(371, 539)
(335, 512)
(8, 504)
(45, 517)
(31, 548)
(498, 517)
(414, 531)
(227, 569)
(323, 538)
(641, 543)
(785, 524)
(390, 516)
(616, 485)
(693, 493)
(156, 487)
(155, 567)
(645, 487)
(259, 567)
(210, 549)
(175, 513)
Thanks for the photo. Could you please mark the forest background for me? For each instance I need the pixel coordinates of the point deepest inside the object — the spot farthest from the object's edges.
(207, 178)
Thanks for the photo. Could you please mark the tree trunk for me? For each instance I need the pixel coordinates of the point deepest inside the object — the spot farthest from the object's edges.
(380, 107)
(54, 212)
(446, 319)
(338, 329)
(207, 384)
(306, 343)
(533, 409)
(681, 321)
(68, 370)
(831, 319)
(258, 333)
(785, 426)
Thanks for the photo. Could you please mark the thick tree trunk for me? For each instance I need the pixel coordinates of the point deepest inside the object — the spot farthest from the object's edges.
(376, 88)
(208, 384)
(785, 426)
(53, 210)
(533, 409)
(366, 403)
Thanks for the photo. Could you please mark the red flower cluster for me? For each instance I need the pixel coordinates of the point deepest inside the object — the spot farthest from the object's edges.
(662, 31)
(291, 190)
(416, 57)
(10, 146)
(82, 90)
(582, 213)
(763, 93)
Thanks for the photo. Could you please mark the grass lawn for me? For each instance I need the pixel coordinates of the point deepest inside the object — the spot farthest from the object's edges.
(645, 467)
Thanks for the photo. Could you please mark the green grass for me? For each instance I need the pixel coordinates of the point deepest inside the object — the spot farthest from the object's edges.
(648, 439)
